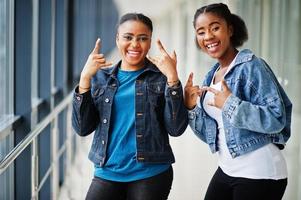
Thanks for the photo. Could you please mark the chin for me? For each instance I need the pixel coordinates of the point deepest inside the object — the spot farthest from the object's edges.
(134, 62)
(215, 55)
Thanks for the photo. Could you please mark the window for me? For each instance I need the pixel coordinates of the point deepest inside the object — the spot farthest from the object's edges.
(6, 88)
(3, 56)
(6, 64)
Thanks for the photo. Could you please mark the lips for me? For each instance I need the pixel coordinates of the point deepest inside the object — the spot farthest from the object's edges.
(212, 47)
(133, 54)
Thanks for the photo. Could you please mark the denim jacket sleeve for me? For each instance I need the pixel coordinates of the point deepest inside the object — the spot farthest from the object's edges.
(175, 113)
(84, 114)
(263, 109)
(197, 122)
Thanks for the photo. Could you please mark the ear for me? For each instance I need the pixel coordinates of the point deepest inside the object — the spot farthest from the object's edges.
(117, 39)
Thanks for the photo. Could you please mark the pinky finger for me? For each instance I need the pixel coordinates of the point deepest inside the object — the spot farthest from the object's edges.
(153, 60)
(104, 65)
(100, 60)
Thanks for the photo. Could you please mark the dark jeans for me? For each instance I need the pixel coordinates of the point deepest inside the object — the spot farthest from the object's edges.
(224, 187)
(153, 188)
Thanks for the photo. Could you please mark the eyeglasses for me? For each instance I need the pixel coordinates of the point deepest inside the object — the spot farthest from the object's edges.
(130, 37)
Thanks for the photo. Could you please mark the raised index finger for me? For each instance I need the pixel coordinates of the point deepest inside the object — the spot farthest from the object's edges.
(97, 46)
(189, 81)
(161, 48)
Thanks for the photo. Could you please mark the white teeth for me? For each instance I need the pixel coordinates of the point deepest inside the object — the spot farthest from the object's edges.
(212, 45)
(133, 52)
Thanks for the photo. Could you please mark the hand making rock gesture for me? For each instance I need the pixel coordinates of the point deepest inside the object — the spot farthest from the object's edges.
(219, 96)
(191, 93)
(95, 62)
(167, 64)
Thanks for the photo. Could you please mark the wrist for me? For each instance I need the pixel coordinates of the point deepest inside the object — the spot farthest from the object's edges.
(83, 89)
(173, 82)
(190, 107)
(84, 84)
(172, 77)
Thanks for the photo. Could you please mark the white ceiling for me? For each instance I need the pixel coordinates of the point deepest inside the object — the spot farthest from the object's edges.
(151, 8)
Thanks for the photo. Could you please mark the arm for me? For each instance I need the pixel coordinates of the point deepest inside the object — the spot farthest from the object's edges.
(175, 113)
(266, 117)
(195, 113)
(261, 111)
(85, 116)
(197, 123)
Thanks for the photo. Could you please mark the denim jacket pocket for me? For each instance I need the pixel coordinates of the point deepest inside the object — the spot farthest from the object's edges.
(156, 93)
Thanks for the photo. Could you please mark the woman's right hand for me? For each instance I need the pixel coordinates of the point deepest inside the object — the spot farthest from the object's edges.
(191, 93)
(94, 62)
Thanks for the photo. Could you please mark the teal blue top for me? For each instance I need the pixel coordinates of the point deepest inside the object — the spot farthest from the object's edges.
(121, 164)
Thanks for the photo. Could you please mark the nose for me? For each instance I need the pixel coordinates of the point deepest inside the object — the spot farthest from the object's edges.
(135, 43)
(208, 35)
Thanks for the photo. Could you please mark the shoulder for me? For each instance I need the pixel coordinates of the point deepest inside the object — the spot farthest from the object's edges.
(247, 61)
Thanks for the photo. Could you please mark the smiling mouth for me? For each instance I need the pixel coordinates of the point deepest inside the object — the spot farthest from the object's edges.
(210, 46)
(133, 53)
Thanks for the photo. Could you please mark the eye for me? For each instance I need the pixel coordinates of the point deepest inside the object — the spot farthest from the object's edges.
(215, 28)
(142, 39)
(127, 37)
(201, 33)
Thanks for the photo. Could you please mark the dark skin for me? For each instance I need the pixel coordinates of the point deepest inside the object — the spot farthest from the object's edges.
(133, 40)
(213, 36)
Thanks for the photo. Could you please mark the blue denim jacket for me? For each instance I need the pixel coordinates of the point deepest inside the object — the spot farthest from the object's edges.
(257, 112)
(159, 111)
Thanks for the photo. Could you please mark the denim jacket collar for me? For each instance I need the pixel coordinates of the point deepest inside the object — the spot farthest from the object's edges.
(149, 66)
(243, 56)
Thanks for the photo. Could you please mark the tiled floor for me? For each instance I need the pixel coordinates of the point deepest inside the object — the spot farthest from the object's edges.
(192, 170)
(79, 176)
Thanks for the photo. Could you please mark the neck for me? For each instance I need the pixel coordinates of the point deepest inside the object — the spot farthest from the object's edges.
(228, 57)
(131, 67)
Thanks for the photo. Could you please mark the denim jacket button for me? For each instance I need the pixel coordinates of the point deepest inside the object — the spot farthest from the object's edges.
(78, 98)
(174, 92)
(107, 100)
(139, 114)
(103, 142)
(104, 121)
(140, 158)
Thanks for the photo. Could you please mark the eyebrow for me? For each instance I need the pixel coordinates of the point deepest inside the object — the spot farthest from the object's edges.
(143, 34)
(211, 24)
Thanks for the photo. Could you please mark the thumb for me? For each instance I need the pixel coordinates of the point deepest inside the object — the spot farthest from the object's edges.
(174, 55)
(97, 46)
(224, 85)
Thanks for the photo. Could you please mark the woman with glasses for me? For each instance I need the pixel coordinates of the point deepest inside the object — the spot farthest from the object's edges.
(132, 108)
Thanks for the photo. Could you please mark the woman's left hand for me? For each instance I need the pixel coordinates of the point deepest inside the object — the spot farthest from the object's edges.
(219, 96)
(166, 63)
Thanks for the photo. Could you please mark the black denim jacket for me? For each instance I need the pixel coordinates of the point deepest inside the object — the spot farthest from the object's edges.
(159, 109)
